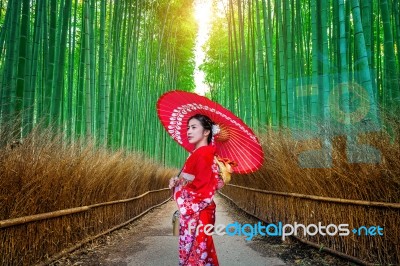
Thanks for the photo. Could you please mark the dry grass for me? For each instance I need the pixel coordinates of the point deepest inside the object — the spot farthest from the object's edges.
(43, 174)
(378, 181)
(282, 171)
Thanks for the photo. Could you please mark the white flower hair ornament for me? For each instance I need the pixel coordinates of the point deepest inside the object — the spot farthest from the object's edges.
(215, 130)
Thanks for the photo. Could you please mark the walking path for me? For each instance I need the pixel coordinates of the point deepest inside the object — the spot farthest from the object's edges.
(160, 247)
(149, 241)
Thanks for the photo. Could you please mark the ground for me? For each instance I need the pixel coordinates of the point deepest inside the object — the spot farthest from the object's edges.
(149, 241)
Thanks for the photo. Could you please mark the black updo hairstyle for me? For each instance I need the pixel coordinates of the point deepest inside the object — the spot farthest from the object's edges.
(206, 122)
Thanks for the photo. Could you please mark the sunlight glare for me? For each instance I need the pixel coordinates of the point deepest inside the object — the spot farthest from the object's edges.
(203, 16)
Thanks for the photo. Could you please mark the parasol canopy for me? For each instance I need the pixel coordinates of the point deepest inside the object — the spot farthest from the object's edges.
(235, 140)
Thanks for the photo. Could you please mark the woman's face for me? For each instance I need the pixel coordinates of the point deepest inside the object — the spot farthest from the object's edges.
(196, 134)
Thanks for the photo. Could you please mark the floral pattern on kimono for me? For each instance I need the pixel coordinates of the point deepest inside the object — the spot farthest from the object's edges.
(196, 205)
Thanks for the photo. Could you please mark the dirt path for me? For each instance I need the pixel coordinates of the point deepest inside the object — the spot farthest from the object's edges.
(149, 241)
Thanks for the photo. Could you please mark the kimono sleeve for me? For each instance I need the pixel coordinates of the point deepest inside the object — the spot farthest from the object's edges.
(197, 195)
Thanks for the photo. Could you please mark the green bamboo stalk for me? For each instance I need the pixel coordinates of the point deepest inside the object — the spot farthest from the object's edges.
(260, 70)
(92, 69)
(58, 88)
(80, 128)
(3, 30)
(115, 28)
(252, 68)
(5, 26)
(42, 82)
(344, 77)
(29, 95)
(9, 82)
(396, 15)
(392, 75)
(282, 65)
(235, 59)
(314, 88)
(119, 114)
(351, 41)
(23, 62)
(88, 89)
(102, 75)
(325, 88)
(54, 89)
(48, 94)
(300, 69)
(270, 68)
(70, 105)
(362, 60)
(381, 96)
(366, 8)
(290, 64)
(244, 89)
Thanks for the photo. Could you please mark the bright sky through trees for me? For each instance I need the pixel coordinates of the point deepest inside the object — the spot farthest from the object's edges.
(203, 17)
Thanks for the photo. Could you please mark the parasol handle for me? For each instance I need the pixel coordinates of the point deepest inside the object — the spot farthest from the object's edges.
(172, 189)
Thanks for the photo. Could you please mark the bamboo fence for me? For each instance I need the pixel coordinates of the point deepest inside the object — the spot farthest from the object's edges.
(42, 238)
(274, 207)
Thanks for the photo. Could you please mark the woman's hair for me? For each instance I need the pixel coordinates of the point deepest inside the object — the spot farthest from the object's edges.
(206, 122)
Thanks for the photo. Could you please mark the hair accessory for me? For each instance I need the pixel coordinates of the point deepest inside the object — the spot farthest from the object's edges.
(215, 130)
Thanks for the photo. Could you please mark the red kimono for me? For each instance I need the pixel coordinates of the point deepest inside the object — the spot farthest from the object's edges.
(195, 203)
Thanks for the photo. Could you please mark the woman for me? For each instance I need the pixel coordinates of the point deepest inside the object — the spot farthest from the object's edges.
(193, 191)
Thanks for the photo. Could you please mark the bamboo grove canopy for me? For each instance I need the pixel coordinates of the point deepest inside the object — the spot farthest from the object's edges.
(296, 63)
(95, 68)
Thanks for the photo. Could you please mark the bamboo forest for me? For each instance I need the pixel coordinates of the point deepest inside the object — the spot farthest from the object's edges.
(317, 81)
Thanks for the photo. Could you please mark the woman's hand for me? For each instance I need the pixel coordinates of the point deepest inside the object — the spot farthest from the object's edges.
(173, 182)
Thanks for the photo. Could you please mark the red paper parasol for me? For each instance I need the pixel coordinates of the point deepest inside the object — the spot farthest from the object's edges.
(235, 141)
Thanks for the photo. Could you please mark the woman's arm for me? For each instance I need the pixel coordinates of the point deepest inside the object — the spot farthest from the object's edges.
(197, 195)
